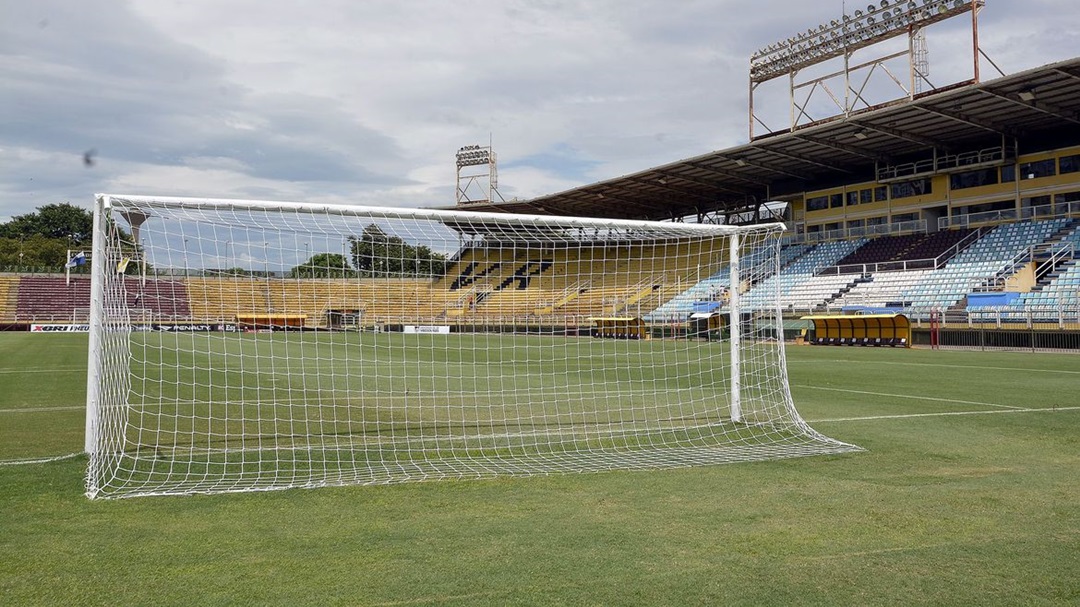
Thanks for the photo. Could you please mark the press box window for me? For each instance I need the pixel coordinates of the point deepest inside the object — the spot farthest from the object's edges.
(1041, 168)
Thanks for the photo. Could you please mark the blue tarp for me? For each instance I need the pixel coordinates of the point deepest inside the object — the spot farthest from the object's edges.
(990, 300)
(706, 306)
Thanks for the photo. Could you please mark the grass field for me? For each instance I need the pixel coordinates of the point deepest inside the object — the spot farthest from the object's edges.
(233, 411)
(968, 494)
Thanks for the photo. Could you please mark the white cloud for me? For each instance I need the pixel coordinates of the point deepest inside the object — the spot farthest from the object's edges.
(366, 102)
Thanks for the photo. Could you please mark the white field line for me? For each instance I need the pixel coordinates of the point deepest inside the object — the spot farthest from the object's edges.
(39, 460)
(44, 409)
(911, 397)
(51, 370)
(941, 414)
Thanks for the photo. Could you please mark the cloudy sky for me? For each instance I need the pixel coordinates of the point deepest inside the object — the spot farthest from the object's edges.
(366, 101)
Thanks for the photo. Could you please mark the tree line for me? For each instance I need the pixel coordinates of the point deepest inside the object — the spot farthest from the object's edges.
(41, 241)
(375, 254)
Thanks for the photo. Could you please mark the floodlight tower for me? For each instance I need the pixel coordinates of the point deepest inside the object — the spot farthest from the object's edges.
(841, 39)
(476, 186)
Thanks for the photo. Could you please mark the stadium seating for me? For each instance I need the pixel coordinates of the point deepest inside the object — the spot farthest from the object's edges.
(52, 299)
(882, 290)
(158, 300)
(800, 288)
(1060, 291)
(903, 251)
(9, 297)
(554, 284)
(977, 264)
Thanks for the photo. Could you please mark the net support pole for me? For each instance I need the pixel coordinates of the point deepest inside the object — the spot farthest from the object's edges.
(734, 328)
(98, 267)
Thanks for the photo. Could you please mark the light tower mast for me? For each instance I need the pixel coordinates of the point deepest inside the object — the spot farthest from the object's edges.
(476, 185)
(848, 87)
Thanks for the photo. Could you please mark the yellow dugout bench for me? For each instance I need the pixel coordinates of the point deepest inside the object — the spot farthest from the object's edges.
(861, 330)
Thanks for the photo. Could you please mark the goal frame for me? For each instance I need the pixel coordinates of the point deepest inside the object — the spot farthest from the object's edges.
(104, 205)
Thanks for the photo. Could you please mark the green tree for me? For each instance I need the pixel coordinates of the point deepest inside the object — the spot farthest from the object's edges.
(42, 239)
(323, 265)
(34, 252)
(62, 221)
(376, 253)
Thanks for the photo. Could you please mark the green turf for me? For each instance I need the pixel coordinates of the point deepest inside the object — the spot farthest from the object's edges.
(964, 498)
(209, 412)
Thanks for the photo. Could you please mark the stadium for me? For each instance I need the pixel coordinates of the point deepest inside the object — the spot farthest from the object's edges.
(871, 319)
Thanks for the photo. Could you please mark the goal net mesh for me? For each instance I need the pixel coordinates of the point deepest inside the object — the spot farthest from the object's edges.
(244, 346)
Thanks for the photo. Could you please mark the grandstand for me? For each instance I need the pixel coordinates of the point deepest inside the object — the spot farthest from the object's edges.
(910, 206)
(912, 273)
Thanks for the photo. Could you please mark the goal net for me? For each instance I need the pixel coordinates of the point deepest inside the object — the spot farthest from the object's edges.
(247, 345)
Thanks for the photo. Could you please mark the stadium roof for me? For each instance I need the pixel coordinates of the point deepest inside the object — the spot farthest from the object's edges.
(954, 120)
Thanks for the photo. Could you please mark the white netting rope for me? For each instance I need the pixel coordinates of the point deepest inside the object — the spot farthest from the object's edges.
(258, 346)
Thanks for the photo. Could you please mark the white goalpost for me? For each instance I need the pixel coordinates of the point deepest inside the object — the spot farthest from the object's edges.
(307, 345)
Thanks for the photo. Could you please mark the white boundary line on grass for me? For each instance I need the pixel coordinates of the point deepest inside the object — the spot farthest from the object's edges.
(50, 370)
(40, 460)
(44, 409)
(911, 397)
(939, 414)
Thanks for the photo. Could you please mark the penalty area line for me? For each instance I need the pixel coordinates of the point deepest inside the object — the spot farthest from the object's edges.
(914, 397)
(940, 414)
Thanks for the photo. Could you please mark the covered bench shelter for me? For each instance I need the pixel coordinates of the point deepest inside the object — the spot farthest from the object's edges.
(861, 330)
(619, 327)
(707, 325)
(274, 322)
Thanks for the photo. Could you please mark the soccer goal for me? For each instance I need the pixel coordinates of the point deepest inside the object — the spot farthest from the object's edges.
(246, 346)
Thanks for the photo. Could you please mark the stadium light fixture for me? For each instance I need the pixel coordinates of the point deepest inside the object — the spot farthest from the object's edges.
(1027, 95)
(877, 23)
(473, 155)
(861, 135)
(473, 180)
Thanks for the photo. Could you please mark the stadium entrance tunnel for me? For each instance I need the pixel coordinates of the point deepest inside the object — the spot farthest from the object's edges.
(860, 330)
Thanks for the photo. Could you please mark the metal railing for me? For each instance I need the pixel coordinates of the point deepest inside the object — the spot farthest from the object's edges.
(884, 229)
(946, 163)
(1048, 211)
(1056, 254)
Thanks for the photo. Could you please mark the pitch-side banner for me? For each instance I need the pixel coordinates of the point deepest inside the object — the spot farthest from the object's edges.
(171, 328)
(59, 328)
(441, 329)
